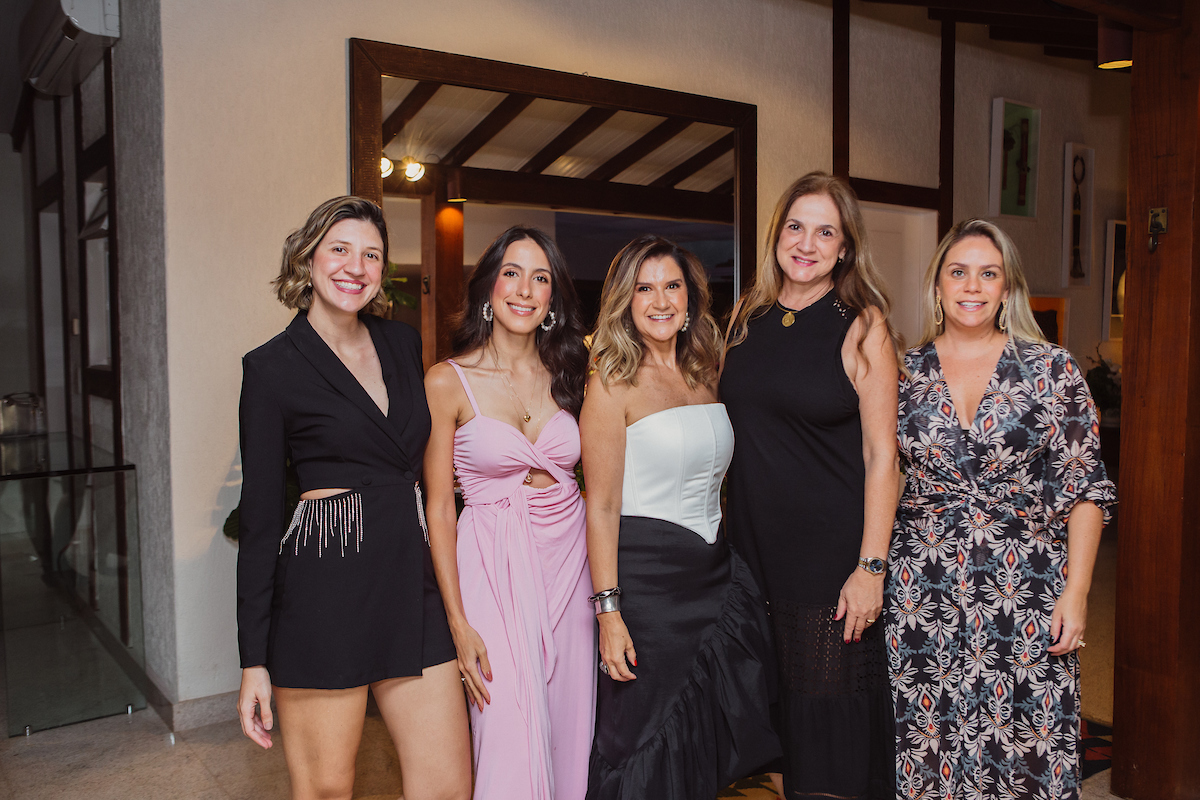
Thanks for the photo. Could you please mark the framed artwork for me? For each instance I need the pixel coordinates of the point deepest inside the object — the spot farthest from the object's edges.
(1114, 279)
(1016, 129)
(1078, 182)
(1052, 315)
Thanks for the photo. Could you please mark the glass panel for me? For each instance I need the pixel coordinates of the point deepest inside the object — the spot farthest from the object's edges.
(52, 319)
(102, 423)
(91, 93)
(71, 605)
(45, 132)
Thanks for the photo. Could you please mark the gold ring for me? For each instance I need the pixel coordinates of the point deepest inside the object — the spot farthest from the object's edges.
(1082, 643)
(870, 622)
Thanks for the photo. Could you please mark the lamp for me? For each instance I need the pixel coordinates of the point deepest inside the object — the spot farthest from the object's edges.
(386, 167)
(1114, 45)
(413, 170)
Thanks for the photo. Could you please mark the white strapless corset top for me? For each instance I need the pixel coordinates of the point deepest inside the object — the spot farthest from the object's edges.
(674, 463)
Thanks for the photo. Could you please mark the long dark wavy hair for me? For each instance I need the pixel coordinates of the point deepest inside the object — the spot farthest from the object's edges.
(561, 349)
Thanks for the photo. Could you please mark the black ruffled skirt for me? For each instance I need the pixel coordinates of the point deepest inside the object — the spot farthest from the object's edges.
(698, 716)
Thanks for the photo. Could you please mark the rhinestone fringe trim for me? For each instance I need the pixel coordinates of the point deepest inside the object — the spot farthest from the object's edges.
(331, 520)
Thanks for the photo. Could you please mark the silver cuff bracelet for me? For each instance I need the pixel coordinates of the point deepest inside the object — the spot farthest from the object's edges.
(605, 604)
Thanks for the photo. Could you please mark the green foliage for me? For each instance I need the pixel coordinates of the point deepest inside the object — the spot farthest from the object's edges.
(393, 291)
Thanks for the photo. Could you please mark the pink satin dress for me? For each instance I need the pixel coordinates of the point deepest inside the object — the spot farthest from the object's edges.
(523, 571)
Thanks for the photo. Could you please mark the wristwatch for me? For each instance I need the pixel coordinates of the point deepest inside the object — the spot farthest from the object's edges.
(875, 566)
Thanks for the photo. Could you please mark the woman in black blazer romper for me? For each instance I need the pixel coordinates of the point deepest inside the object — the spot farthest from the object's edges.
(343, 596)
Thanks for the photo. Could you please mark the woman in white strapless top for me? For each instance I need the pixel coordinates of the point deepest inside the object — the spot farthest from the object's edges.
(683, 705)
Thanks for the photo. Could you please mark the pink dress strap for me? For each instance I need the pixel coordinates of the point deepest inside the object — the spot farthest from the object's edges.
(462, 376)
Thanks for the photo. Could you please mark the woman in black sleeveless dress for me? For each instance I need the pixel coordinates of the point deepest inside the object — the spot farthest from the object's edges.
(810, 381)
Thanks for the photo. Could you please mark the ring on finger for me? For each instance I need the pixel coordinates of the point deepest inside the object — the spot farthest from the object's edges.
(604, 667)
(870, 622)
(1082, 643)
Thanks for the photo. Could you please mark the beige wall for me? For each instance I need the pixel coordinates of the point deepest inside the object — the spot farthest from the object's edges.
(254, 135)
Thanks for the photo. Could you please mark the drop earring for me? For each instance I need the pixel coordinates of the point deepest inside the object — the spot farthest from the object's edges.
(1002, 317)
(687, 320)
(938, 316)
(487, 311)
(549, 321)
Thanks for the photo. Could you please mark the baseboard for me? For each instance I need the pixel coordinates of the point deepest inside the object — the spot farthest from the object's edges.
(188, 714)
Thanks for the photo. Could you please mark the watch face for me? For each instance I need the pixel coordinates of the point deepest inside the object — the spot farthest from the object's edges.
(876, 566)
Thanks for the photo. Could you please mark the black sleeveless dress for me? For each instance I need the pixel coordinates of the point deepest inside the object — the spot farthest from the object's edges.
(795, 512)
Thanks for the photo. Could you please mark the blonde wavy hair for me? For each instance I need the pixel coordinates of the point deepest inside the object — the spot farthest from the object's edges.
(856, 281)
(293, 285)
(1020, 323)
(617, 347)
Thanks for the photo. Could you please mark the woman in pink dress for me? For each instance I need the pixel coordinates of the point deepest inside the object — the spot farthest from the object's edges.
(513, 568)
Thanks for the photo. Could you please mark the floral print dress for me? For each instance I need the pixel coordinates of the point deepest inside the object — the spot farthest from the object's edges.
(978, 560)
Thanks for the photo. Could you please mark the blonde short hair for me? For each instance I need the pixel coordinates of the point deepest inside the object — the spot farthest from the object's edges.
(293, 285)
(1020, 322)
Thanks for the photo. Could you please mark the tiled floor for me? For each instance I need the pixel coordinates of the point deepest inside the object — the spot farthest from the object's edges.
(135, 756)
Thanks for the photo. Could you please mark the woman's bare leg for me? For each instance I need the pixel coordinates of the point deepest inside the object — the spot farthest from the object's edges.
(427, 717)
(777, 781)
(321, 731)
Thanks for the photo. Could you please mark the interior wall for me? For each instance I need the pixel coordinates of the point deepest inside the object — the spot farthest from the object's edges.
(139, 173)
(254, 135)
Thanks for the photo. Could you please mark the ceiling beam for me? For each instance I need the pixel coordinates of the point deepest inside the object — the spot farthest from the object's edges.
(697, 162)
(1056, 24)
(552, 191)
(508, 110)
(664, 132)
(584, 126)
(727, 187)
(1083, 54)
(1143, 15)
(1029, 8)
(1035, 36)
(413, 102)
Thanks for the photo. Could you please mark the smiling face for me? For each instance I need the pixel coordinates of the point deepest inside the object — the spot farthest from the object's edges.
(810, 241)
(660, 299)
(347, 268)
(522, 292)
(972, 283)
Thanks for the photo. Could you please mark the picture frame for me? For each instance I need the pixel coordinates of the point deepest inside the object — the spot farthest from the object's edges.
(1053, 315)
(1015, 142)
(1115, 264)
(1079, 182)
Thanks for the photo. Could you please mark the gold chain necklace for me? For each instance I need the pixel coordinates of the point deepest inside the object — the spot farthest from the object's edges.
(789, 314)
(524, 407)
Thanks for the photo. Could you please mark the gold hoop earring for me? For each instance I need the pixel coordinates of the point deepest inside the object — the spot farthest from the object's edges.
(1002, 317)
(938, 316)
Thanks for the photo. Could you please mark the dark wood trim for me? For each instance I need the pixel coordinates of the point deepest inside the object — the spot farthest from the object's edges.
(442, 278)
(366, 124)
(1056, 24)
(745, 204)
(662, 133)
(1077, 39)
(412, 103)
(584, 126)
(500, 76)
(48, 191)
(94, 157)
(64, 283)
(728, 187)
(81, 164)
(697, 162)
(1133, 13)
(896, 194)
(557, 192)
(1081, 53)
(101, 381)
(841, 88)
(507, 110)
(1026, 8)
(946, 82)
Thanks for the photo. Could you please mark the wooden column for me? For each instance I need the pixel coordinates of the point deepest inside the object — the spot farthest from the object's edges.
(441, 269)
(1156, 738)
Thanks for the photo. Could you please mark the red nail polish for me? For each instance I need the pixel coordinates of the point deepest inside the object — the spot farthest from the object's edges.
(635, 662)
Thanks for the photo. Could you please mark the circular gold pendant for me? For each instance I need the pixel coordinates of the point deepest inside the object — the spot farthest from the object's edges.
(527, 418)
(788, 319)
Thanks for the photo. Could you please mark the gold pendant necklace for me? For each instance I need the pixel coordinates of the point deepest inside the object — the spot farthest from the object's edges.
(525, 415)
(789, 316)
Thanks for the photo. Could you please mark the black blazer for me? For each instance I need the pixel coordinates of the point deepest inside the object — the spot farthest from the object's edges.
(299, 401)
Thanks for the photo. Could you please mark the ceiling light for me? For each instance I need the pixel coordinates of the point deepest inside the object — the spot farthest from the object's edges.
(413, 170)
(386, 167)
(1114, 45)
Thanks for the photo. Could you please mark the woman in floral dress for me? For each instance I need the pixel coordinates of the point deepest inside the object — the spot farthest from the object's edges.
(992, 553)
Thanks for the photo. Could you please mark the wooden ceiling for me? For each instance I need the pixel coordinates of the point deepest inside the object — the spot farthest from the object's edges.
(1065, 29)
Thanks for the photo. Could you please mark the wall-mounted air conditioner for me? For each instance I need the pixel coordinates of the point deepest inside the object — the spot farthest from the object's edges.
(63, 40)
